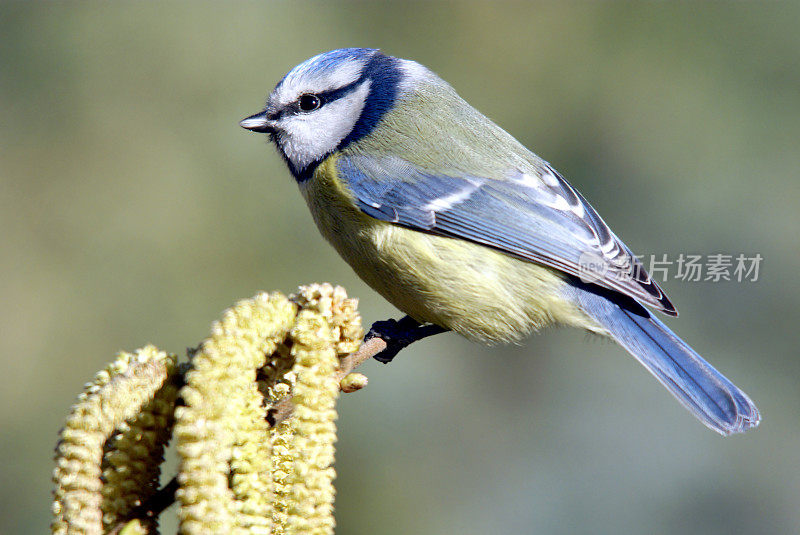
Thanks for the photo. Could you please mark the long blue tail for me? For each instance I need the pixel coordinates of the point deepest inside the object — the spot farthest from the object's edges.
(709, 395)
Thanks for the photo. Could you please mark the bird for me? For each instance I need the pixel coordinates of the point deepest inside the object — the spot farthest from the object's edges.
(462, 228)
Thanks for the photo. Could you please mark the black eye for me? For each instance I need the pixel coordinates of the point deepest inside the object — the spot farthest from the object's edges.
(309, 102)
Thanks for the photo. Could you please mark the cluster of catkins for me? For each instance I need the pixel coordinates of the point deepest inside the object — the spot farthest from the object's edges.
(239, 470)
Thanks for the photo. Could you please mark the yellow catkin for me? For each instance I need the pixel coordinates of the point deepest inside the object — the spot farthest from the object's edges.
(132, 461)
(291, 455)
(251, 468)
(116, 394)
(340, 312)
(221, 423)
(283, 455)
(310, 503)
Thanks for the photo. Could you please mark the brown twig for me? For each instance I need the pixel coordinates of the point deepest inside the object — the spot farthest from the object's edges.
(165, 496)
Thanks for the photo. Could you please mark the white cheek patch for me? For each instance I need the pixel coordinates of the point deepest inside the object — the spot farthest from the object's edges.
(307, 137)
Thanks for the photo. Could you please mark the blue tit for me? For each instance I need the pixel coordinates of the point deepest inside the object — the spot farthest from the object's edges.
(462, 228)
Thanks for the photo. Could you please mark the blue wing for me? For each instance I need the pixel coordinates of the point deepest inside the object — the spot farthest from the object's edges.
(534, 215)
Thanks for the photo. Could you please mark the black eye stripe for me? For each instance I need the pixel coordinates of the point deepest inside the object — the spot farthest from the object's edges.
(326, 97)
(336, 94)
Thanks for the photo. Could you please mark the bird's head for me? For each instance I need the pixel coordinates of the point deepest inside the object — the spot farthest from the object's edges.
(332, 100)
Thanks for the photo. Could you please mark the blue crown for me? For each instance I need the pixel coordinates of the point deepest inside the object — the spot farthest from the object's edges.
(330, 60)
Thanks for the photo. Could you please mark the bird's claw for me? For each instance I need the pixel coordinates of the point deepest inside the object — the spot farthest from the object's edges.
(399, 334)
(396, 334)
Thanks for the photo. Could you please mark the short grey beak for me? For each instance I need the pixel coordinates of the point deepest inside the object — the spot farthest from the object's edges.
(258, 123)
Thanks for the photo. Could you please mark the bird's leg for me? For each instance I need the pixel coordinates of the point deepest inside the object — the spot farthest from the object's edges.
(398, 334)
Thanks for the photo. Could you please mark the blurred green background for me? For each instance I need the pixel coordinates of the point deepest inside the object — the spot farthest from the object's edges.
(133, 209)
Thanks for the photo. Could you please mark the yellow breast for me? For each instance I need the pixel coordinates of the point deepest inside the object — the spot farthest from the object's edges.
(476, 291)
